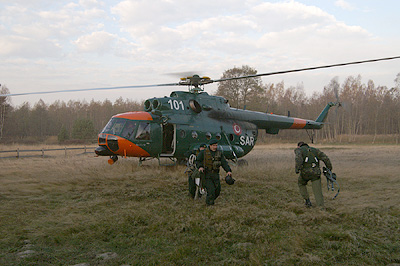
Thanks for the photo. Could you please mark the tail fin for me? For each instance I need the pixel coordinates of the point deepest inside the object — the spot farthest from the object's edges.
(324, 114)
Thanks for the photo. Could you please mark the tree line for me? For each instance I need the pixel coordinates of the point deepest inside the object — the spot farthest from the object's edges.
(69, 121)
(366, 109)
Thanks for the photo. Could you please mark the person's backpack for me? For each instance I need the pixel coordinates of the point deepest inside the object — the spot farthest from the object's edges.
(310, 160)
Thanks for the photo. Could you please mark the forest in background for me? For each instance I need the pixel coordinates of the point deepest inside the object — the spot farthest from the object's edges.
(366, 109)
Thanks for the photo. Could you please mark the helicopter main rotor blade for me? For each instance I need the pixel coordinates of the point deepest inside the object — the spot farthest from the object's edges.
(90, 89)
(309, 68)
(208, 80)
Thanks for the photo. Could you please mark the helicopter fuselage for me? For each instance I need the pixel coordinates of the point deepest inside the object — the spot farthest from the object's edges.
(175, 126)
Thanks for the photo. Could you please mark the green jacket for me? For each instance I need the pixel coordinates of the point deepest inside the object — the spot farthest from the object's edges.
(307, 160)
(215, 155)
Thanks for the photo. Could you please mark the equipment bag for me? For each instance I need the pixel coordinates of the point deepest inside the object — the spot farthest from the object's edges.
(310, 160)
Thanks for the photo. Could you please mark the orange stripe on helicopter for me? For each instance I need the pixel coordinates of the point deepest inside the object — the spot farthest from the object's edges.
(127, 148)
(298, 123)
(139, 115)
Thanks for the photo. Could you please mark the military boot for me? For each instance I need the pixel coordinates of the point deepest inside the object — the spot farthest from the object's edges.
(308, 203)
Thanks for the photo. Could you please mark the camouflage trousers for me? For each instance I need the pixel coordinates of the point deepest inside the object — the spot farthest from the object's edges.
(213, 187)
(316, 187)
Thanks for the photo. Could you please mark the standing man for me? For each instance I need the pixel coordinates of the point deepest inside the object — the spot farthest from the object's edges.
(208, 162)
(307, 164)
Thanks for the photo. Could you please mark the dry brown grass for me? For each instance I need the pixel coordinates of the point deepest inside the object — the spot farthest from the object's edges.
(71, 210)
(368, 174)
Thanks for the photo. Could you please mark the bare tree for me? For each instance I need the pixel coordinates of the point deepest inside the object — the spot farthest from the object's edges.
(397, 81)
(4, 106)
(241, 93)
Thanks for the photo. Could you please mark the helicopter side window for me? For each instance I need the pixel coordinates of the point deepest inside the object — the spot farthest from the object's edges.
(128, 130)
(143, 132)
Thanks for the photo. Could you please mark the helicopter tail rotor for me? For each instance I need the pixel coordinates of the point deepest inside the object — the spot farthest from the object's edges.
(338, 103)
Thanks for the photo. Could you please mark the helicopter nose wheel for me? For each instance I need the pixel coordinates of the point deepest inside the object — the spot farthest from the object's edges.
(113, 159)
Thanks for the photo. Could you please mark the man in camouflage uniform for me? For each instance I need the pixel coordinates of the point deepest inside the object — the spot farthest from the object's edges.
(208, 162)
(307, 164)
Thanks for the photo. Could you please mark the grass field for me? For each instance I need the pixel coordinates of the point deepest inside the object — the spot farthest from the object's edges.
(79, 210)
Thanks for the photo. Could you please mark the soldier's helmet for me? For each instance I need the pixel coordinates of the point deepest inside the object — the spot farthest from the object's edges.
(229, 180)
(301, 143)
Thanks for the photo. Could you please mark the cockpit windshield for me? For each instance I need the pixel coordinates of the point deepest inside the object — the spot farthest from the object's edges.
(120, 127)
(114, 126)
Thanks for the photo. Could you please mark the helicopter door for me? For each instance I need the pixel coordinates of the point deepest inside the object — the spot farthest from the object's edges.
(169, 139)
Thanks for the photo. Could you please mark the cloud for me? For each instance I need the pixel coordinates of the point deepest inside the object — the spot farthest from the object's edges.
(97, 42)
(163, 29)
(17, 46)
(45, 32)
(262, 25)
(344, 5)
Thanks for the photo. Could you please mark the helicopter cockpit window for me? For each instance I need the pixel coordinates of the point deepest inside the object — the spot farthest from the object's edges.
(128, 130)
(115, 126)
(143, 132)
(108, 127)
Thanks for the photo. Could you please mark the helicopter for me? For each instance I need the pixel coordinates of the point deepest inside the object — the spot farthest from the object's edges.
(175, 126)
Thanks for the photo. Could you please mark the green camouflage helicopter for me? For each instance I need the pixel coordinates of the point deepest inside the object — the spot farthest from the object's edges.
(173, 127)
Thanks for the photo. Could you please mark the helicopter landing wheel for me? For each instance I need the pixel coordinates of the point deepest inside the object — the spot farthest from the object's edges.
(113, 159)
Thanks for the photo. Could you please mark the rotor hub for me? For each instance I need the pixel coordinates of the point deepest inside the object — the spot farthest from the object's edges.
(195, 83)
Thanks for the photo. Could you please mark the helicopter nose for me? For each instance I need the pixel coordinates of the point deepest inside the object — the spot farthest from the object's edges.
(110, 145)
(103, 151)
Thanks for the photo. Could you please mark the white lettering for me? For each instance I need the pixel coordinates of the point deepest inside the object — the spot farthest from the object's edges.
(248, 141)
(242, 141)
(174, 104)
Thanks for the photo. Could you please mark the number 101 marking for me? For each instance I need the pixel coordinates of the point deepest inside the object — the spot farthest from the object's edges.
(176, 105)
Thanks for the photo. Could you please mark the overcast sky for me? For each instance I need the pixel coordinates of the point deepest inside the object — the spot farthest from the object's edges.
(56, 45)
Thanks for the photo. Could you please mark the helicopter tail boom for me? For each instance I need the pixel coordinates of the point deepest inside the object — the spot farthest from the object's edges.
(323, 115)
